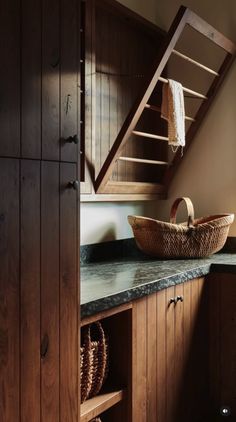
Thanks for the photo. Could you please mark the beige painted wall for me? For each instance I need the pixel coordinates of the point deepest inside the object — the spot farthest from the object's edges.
(208, 172)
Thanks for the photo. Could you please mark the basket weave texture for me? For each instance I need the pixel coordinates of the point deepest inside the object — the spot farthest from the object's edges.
(197, 238)
(93, 360)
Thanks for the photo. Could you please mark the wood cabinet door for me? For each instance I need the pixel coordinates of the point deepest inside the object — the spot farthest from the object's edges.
(40, 79)
(170, 374)
(39, 304)
(222, 334)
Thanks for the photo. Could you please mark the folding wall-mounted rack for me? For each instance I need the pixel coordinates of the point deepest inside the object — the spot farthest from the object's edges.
(105, 182)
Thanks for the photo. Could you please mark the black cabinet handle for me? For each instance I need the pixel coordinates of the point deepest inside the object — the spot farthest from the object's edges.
(74, 184)
(180, 298)
(173, 300)
(73, 139)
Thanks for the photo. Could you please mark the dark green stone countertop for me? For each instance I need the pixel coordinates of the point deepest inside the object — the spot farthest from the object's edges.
(108, 284)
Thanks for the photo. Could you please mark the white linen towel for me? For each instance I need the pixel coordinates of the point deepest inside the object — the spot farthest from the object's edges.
(172, 109)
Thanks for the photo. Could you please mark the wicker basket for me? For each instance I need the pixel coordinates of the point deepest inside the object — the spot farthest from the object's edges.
(195, 239)
(93, 360)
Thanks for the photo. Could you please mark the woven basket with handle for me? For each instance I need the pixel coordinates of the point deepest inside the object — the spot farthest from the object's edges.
(93, 360)
(194, 239)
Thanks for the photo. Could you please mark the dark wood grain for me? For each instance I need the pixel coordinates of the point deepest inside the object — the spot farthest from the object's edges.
(50, 291)
(152, 346)
(69, 329)
(9, 291)
(31, 79)
(69, 67)
(10, 78)
(50, 80)
(30, 290)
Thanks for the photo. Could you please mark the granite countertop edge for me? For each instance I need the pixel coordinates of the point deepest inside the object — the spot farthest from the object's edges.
(222, 263)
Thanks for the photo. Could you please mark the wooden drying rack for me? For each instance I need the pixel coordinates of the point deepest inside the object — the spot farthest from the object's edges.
(103, 184)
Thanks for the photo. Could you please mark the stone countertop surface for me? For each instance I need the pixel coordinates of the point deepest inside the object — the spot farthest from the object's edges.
(112, 283)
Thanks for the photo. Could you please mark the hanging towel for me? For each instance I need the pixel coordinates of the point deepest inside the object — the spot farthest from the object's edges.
(172, 109)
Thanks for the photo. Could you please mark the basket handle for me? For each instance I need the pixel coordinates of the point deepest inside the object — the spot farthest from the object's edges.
(190, 210)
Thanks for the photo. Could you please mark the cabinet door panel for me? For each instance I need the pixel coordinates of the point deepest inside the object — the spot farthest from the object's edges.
(30, 290)
(170, 356)
(69, 300)
(10, 32)
(9, 290)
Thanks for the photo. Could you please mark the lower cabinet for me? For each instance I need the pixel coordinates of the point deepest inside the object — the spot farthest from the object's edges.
(172, 355)
(222, 346)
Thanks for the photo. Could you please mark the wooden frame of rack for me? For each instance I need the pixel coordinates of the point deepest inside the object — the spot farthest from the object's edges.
(184, 17)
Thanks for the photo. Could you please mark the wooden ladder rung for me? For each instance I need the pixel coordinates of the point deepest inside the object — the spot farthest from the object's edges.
(202, 66)
(150, 135)
(155, 108)
(189, 91)
(142, 160)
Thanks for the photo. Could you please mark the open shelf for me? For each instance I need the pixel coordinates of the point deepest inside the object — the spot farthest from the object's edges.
(99, 404)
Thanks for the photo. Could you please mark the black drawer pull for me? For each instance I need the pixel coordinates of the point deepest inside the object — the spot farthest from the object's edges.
(73, 139)
(74, 184)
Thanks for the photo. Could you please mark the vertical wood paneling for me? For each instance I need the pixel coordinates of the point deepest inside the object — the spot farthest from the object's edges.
(68, 297)
(105, 94)
(50, 291)
(50, 80)
(139, 369)
(31, 79)
(228, 342)
(214, 340)
(170, 355)
(152, 358)
(30, 291)
(10, 78)
(161, 356)
(69, 75)
(187, 342)
(90, 112)
(179, 347)
(9, 290)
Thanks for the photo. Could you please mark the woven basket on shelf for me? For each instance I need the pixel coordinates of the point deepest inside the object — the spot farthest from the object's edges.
(93, 360)
(96, 420)
(195, 239)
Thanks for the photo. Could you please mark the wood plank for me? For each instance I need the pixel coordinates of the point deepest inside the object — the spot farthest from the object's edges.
(91, 111)
(161, 356)
(98, 404)
(151, 358)
(214, 341)
(50, 292)
(142, 160)
(179, 356)
(10, 78)
(208, 31)
(228, 342)
(105, 79)
(105, 314)
(50, 80)
(9, 291)
(190, 60)
(187, 90)
(158, 109)
(187, 342)
(69, 69)
(170, 355)
(30, 291)
(69, 329)
(134, 188)
(31, 79)
(150, 135)
(139, 370)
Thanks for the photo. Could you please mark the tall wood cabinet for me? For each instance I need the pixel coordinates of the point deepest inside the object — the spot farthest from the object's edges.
(39, 233)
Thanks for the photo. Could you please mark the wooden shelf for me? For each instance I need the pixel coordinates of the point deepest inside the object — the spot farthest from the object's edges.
(96, 405)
